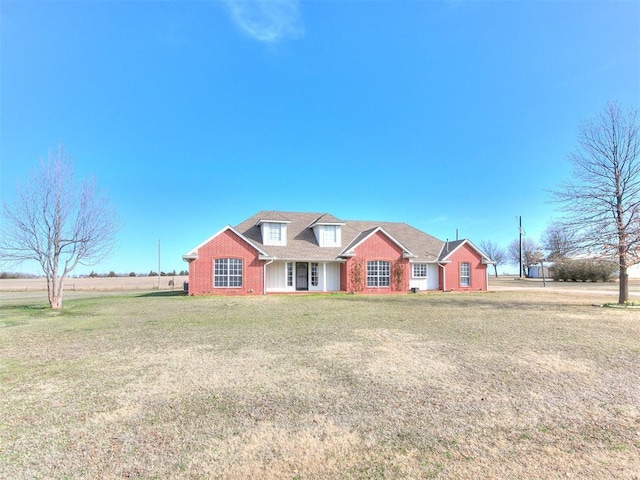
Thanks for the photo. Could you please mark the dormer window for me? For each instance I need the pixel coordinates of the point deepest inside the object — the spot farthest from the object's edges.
(273, 232)
(328, 235)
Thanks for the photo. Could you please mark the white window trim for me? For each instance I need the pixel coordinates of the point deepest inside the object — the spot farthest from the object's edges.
(275, 233)
(289, 277)
(423, 266)
(330, 235)
(321, 233)
(270, 228)
(228, 276)
(467, 276)
(377, 275)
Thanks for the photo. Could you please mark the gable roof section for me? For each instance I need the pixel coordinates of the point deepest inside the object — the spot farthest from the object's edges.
(193, 253)
(273, 217)
(363, 236)
(423, 247)
(326, 219)
(302, 243)
(450, 247)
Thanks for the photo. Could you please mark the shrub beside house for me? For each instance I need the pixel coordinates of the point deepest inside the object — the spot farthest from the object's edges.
(584, 270)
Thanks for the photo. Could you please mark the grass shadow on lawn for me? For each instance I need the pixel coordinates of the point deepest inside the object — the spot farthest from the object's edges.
(171, 293)
(23, 306)
(18, 314)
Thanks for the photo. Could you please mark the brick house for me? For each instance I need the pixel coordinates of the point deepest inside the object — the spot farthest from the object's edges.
(279, 252)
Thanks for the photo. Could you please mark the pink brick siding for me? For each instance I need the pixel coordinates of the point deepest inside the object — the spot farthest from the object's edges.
(478, 270)
(376, 247)
(226, 245)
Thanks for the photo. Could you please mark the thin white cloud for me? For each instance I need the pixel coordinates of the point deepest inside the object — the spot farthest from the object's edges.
(268, 21)
(440, 219)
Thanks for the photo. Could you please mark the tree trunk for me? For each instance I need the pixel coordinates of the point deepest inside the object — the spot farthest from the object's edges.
(56, 302)
(495, 269)
(624, 285)
(54, 285)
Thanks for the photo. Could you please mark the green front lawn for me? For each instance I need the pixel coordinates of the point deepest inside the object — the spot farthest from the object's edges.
(529, 384)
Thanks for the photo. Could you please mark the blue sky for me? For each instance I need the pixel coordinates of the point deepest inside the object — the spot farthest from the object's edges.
(197, 114)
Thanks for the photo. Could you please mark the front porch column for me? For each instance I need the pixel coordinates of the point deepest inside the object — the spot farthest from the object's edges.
(324, 276)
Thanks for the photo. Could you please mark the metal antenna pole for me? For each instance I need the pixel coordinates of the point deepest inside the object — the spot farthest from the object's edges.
(520, 253)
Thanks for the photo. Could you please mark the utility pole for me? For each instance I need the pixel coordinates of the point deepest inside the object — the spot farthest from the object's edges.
(158, 264)
(520, 237)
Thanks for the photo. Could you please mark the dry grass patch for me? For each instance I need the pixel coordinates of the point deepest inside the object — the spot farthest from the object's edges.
(498, 385)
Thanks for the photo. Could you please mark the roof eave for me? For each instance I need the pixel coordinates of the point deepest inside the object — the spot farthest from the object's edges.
(193, 253)
(266, 220)
(339, 224)
(307, 259)
(406, 253)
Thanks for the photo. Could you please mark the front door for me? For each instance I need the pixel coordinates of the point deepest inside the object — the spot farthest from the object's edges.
(302, 276)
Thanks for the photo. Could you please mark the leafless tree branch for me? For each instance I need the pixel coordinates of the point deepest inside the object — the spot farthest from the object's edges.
(601, 202)
(58, 223)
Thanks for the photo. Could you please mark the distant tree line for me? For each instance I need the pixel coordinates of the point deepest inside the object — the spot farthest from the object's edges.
(18, 275)
(15, 275)
(134, 274)
(167, 274)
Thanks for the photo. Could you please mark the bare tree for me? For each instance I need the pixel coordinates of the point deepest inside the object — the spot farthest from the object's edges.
(531, 253)
(495, 253)
(602, 199)
(58, 223)
(560, 241)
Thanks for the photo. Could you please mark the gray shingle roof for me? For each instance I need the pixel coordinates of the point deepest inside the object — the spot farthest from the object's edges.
(326, 218)
(449, 247)
(302, 243)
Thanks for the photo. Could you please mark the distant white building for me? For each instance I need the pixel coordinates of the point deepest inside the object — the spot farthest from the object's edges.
(536, 271)
(634, 271)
